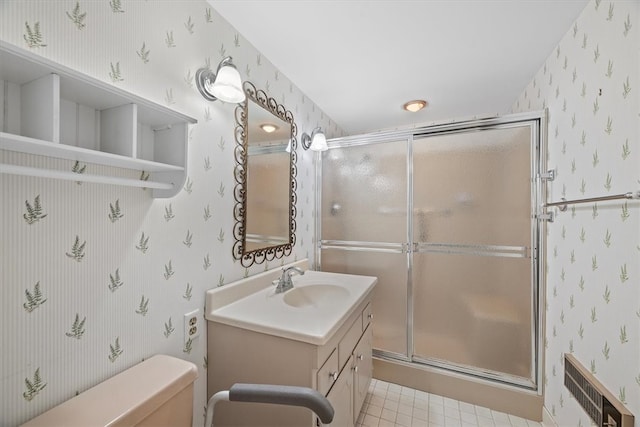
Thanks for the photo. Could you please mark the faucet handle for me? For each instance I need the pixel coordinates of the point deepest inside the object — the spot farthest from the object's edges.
(287, 272)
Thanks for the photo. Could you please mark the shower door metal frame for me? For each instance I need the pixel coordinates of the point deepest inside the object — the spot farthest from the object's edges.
(538, 122)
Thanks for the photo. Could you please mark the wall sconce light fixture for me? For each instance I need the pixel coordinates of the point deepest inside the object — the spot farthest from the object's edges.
(225, 84)
(316, 142)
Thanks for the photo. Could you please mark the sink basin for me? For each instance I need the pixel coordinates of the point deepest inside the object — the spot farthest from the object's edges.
(315, 295)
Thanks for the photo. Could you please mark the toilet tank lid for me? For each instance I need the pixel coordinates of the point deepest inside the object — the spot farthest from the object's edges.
(124, 399)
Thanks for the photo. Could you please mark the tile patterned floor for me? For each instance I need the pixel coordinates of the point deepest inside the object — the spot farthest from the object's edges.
(391, 405)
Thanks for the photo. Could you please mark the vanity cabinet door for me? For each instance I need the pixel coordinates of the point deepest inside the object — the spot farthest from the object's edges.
(348, 342)
(367, 316)
(328, 374)
(362, 372)
(341, 398)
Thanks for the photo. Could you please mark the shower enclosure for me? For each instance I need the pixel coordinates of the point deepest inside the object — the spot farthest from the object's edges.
(445, 216)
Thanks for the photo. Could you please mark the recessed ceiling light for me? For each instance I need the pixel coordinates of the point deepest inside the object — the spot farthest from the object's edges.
(268, 127)
(415, 105)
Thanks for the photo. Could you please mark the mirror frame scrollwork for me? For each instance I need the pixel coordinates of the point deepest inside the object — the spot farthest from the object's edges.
(241, 154)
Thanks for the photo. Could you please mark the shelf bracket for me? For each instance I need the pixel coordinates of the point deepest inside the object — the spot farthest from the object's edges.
(549, 175)
(546, 216)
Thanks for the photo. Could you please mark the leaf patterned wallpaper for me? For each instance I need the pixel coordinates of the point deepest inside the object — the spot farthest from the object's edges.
(590, 86)
(96, 278)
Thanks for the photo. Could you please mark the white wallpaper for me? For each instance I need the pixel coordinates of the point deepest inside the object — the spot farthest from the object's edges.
(590, 86)
(97, 277)
(74, 314)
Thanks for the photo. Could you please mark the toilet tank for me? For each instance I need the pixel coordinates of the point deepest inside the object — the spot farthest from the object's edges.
(157, 392)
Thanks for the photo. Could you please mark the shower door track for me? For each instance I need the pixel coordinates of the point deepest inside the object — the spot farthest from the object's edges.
(447, 366)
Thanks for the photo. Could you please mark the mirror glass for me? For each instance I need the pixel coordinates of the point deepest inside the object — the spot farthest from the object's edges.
(265, 179)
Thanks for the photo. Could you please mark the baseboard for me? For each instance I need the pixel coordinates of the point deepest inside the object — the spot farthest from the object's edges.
(511, 400)
(547, 418)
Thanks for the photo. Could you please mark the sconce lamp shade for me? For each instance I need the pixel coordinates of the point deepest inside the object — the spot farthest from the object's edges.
(225, 84)
(228, 85)
(316, 142)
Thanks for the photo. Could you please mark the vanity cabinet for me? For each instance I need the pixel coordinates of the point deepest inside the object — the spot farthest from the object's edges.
(50, 110)
(340, 369)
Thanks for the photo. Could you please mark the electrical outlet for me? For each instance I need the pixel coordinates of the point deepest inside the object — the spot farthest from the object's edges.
(192, 325)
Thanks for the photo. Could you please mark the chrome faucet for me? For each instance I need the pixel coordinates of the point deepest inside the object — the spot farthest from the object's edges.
(284, 283)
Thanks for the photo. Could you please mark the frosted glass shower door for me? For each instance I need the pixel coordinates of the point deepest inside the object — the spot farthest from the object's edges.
(472, 232)
(445, 217)
(364, 229)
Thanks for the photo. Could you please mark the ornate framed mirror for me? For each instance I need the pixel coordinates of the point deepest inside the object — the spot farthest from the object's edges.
(265, 175)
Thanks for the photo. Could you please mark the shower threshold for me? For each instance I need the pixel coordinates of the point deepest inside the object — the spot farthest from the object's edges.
(525, 402)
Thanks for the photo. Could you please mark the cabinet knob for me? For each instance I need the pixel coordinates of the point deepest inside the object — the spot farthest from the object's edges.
(333, 375)
(360, 357)
(370, 316)
(355, 368)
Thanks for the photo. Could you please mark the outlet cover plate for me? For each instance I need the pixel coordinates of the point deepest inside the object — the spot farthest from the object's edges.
(192, 325)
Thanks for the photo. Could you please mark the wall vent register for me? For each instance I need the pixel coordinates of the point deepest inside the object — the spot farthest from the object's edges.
(598, 402)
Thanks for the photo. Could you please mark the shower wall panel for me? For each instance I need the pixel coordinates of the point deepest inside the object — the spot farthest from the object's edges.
(473, 188)
(364, 222)
(471, 277)
(364, 193)
(473, 311)
(390, 294)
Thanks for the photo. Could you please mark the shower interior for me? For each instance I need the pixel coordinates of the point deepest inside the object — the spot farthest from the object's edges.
(446, 217)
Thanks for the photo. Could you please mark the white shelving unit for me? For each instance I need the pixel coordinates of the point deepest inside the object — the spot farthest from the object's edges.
(50, 110)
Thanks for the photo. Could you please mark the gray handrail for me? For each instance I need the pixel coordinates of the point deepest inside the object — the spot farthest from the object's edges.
(284, 395)
(275, 394)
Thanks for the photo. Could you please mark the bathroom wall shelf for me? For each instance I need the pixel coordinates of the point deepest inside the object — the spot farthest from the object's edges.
(51, 110)
(71, 176)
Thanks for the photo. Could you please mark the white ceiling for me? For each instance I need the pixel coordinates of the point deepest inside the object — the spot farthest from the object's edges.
(360, 61)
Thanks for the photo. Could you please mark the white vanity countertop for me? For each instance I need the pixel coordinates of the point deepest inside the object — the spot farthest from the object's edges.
(298, 314)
